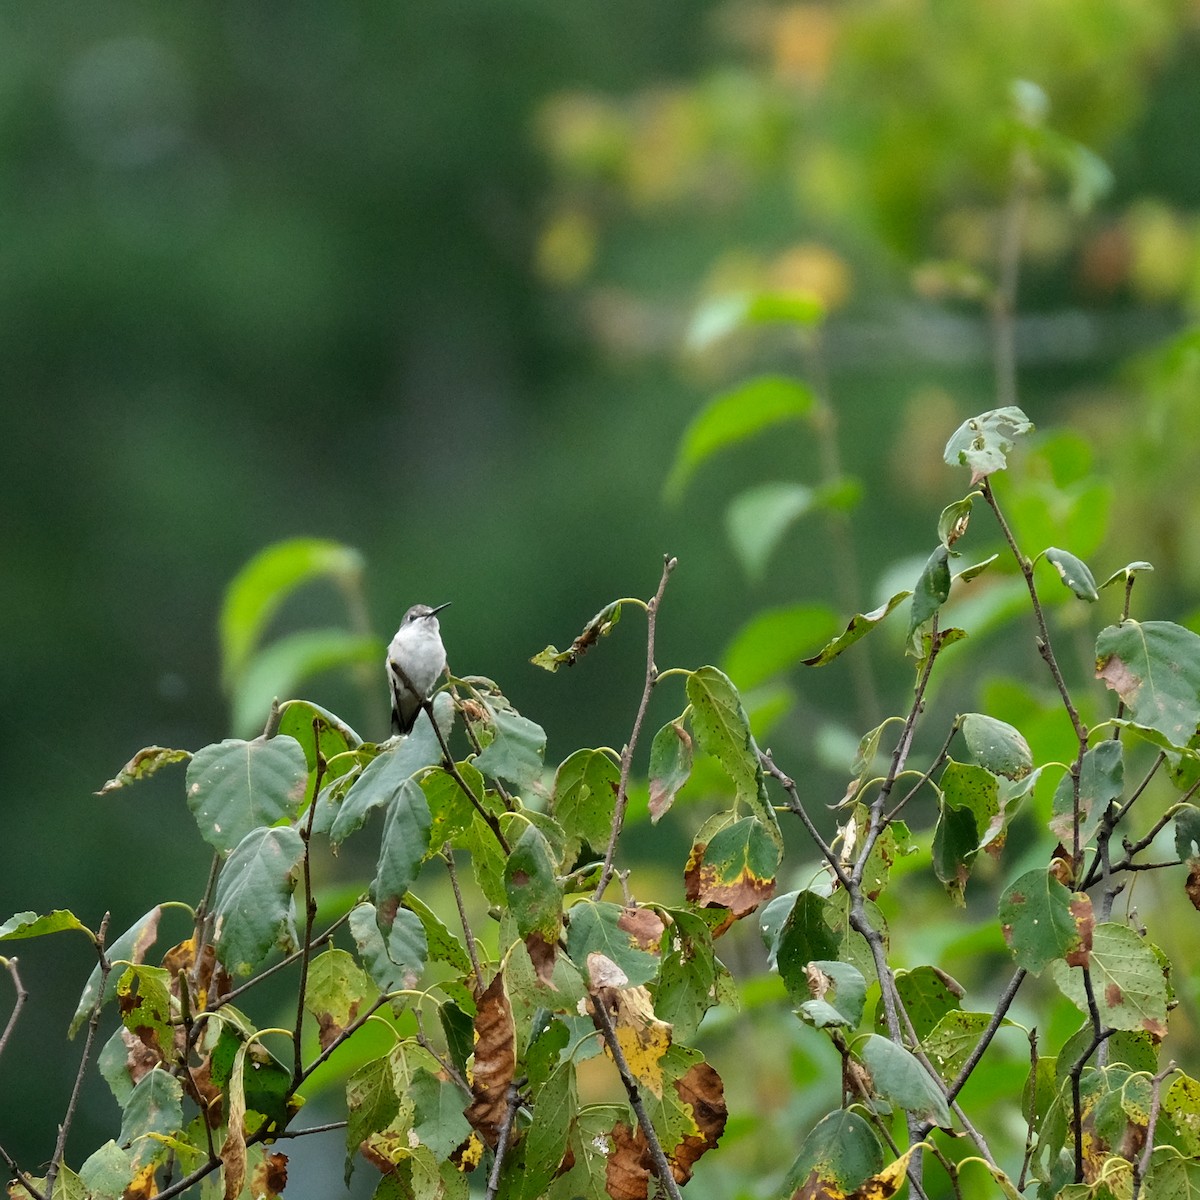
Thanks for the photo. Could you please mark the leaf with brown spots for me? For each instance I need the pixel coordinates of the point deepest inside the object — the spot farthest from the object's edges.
(543, 955)
(337, 991)
(495, 1061)
(700, 1088)
(735, 870)
(644, 926)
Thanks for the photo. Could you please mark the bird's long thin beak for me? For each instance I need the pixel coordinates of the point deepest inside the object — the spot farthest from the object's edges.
(439, 608)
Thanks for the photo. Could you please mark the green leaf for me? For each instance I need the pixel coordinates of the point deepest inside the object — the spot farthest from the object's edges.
(670, 767)
(384, 775)
(487, 861)
(142, 765)
(438, 1119)
(600, 927)
(836, 1158)
(31, 924)
(235, 787)
(684, 989)
(107, 1172)
(281, 667)
(1154, 666)
(776, 640)
(371, 1105)
(750, 409)
(313, 726)
(1127, 572)
(144, 1001)
(441, 944)
(130, 947)
(1074, 573)
(534, 896)
(928, 995)
(395, 963)
(1171, 1176)
(252, 909)
(337, 991)
(1127, 979)
(997, 746)
(843, 1003)
(155, 1106)
(554, 1109)
(806, 935)
(515, 753)
(403, 848)
(584, 797)
(450, 809)
(955, 518)
(932, 589)
(983, 442)
(951, 1041)
(723, 730)
(1043, 922)
(262, 585)
(859, 626)
(1101, 780)
(900, 1079)
(757, 519)
(735, 869)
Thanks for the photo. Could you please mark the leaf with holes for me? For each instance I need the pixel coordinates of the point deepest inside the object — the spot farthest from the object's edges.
(983, 442)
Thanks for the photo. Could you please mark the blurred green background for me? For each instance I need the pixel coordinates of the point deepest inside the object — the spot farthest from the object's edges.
(420, 278)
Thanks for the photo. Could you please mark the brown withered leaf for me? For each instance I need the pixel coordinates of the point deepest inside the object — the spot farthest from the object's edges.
(139, 1059)
(207, 1096)
(627, 1175)
(708, 887)
(1080, 906)
(1192, 886)
(269, 1178)
(495, 1061)
(644, 926)
(701, 1088)
(543, 955)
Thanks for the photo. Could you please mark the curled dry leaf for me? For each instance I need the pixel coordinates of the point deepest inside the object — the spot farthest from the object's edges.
(495, 1061)
(630, 1164)
(543, 954)
(269, 1178)
(644, 926)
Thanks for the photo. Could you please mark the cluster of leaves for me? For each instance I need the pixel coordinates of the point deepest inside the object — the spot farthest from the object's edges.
(492, 996)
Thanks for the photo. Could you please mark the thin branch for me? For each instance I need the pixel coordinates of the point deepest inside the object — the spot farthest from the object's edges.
(468, 937)
(662, 1168)
(21, 999)
(993, 1027)
(310, 913)
(93, 1024)
(20, 1176)
(451, 769)
(1030, 1124)
(926, 775)
(622, 801)
(513, 1101)
(794, 805)
(346, 1033)
(280, 1134)
(1143, 1163)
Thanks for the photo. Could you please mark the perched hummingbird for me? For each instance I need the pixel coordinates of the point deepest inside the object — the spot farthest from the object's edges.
(415, 659)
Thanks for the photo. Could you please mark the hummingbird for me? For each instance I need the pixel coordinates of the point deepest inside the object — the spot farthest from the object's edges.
(415, 659)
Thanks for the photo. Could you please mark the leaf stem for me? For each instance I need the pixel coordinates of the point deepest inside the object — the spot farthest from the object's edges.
(22, 996)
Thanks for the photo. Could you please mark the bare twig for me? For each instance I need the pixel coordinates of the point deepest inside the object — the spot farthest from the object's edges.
(93, 1024)
(622, 800)
(513, 1101)
(468, 937)
(22, 997)
(310, 912)
(662, 1168)
(1143, 1163)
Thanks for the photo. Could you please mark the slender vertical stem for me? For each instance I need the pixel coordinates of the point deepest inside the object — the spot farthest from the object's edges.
(310, 911)
(22, 996)
(622, 801)
(84, 1058)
